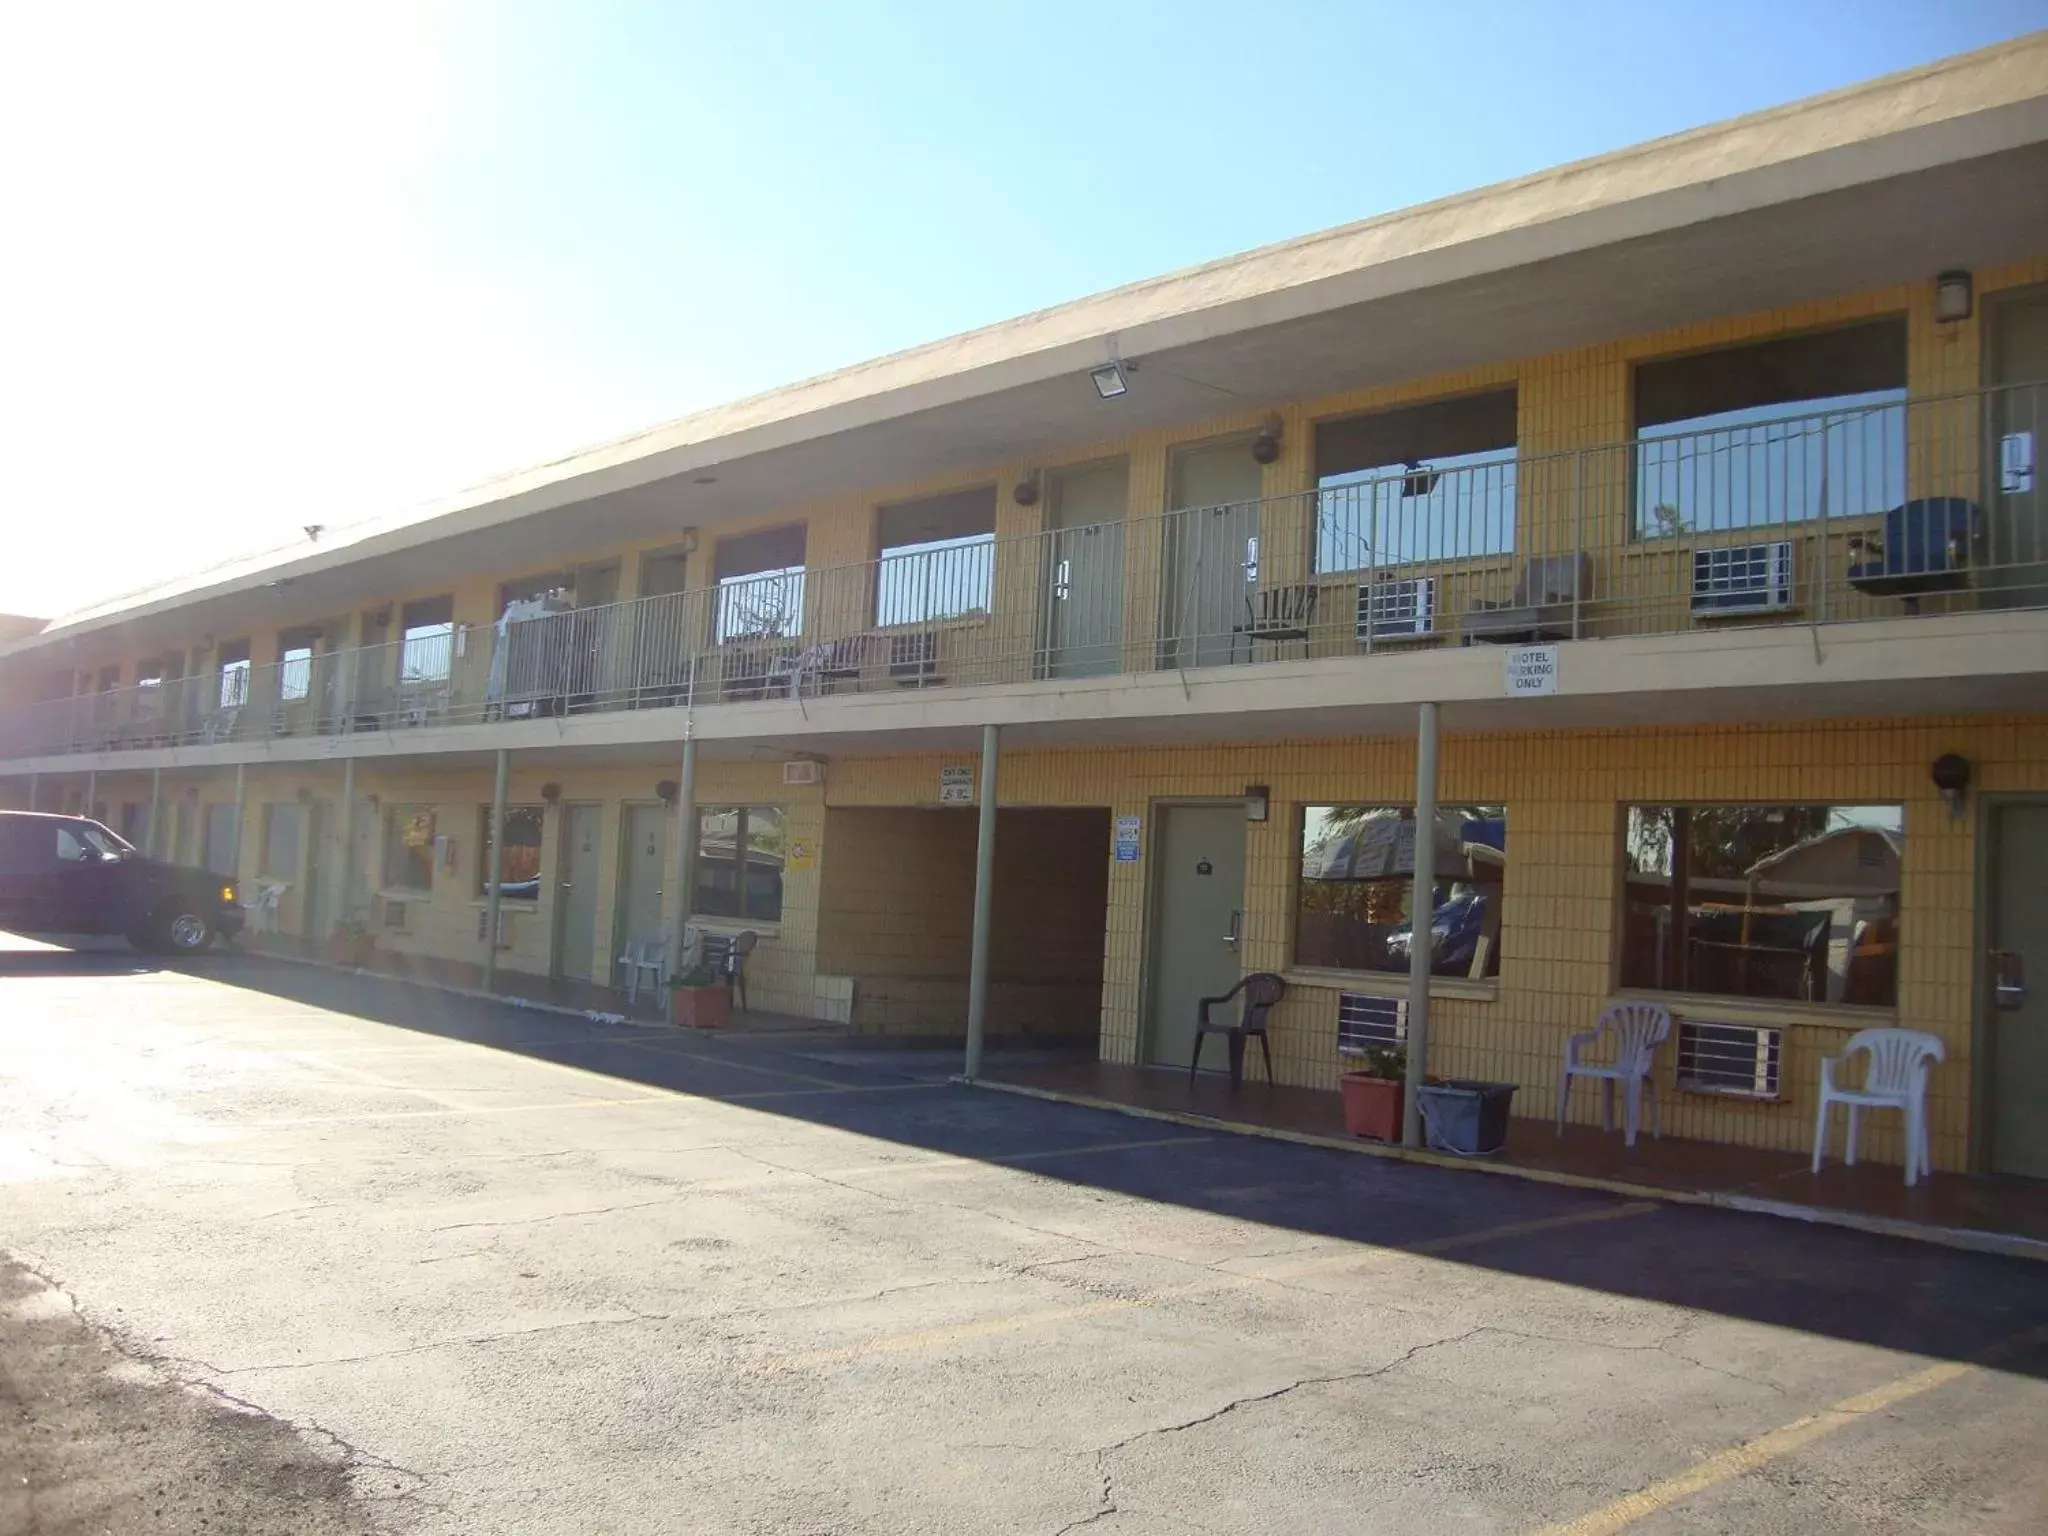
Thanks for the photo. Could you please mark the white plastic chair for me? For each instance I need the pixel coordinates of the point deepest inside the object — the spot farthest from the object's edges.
(263, 916)
(643, 957)
(1638, 1029)
(1901, 1061)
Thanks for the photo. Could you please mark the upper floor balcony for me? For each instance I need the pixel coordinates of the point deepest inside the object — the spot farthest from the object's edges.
(1876, 507)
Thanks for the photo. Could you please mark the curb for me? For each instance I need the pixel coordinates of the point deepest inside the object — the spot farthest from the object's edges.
(1969, 1239)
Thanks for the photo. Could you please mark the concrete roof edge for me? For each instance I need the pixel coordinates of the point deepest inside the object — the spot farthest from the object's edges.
(1948, 111)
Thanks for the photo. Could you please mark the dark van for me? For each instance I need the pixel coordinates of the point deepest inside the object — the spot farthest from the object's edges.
(70, 875)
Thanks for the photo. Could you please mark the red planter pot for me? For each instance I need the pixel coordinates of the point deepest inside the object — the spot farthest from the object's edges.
(699, 1007)
(1373, 1106)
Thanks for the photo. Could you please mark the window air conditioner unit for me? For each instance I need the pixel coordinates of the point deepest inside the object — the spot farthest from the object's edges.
(1366, 1020)
(800, 773)
(1742, 578)
(394, 916)
(1737, 1060)
(1396, 610)
(914, 658)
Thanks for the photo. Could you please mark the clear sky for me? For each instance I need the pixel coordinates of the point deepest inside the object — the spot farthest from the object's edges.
(284, 263)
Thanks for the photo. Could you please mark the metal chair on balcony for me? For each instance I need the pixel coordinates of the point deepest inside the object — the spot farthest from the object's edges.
(1545, 605)
(1638, 1029)
(1276, 613)
(1260, 991)
(1900, 1063)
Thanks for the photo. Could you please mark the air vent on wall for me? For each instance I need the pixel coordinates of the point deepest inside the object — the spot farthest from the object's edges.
(1395, 610)
(803, 772)
(1742, 578)
(1365, 1020)
(1742, 1060)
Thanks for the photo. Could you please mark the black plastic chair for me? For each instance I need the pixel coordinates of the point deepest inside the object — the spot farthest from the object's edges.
(1261, 990)
(727, 954)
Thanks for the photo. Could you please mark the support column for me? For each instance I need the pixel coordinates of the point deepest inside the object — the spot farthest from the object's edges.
(92, 785)
(344, 866)
(494, 897)
(241, 816)
(686, 853)
(155, 840)
(984, 900)
(35, 782)
(1421, 934)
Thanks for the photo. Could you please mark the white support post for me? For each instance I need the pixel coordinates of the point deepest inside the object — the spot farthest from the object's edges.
(1421, 934)
(241, 815)
(92, 785)
(494, 892)
(345, 865)
(155, 840)
(686, 854)
(984, 900)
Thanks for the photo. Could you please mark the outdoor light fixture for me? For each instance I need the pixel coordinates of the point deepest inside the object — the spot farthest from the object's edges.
(1952, 295)
(1026, 493)
(1109, 379)
(551, 792)
(666, 791)
(1258, 802)
(1266, 446)
(1951, 775)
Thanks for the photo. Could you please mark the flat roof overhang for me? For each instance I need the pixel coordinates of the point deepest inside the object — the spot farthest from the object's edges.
(1881, 184)
(1929, 666)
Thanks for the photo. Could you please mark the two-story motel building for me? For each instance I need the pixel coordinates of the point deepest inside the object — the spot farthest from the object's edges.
(1693, 492)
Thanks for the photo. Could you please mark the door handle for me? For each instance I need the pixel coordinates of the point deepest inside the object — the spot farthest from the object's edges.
(2008, 981)
(1236, 922)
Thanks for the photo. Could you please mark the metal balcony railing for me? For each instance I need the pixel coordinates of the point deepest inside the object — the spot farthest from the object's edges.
(1879, 508)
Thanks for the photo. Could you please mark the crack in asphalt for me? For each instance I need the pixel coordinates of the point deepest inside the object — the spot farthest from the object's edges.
(355, 1459)
(631, 1316)
(534, 1221)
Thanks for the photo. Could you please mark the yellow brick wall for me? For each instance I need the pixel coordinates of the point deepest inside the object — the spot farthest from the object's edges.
(1559, 907)
(1568, 402)
(897, 910)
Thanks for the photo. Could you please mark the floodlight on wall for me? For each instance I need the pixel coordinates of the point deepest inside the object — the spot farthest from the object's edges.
(1266, 446)
(1951, 775)
(1953, 295)
(551, 792)
(1026, 493)
(1109, 379)
(666, 791)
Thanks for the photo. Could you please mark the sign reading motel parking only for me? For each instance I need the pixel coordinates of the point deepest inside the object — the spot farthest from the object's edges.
(1531, 669)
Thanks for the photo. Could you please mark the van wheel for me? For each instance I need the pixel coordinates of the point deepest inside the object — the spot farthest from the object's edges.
(183, 929)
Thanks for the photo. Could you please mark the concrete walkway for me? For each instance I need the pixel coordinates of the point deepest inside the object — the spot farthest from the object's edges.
(512, 1271)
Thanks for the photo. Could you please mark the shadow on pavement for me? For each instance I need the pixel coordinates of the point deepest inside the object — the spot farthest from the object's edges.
(1886, 1292)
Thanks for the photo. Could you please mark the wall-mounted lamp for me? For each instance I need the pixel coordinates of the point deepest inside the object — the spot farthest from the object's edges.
(1109, 379)
(1026, 493)
(1951, 775)
(1258, 802)
(551, 792)
(666, 791)
(1953, 293)
(1266, 446)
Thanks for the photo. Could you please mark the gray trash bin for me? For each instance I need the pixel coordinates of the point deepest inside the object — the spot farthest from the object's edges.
(1466, 1117)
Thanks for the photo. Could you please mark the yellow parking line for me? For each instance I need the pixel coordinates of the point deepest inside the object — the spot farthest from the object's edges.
(1769, 1447)
(960, 1333)
(1430, 1247)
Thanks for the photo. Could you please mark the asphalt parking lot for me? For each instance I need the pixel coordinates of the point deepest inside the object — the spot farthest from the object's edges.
(293, 1251)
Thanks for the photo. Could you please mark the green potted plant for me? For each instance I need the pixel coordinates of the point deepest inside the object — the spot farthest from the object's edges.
(351, 943)
(697, 998)
(1375, 1096)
